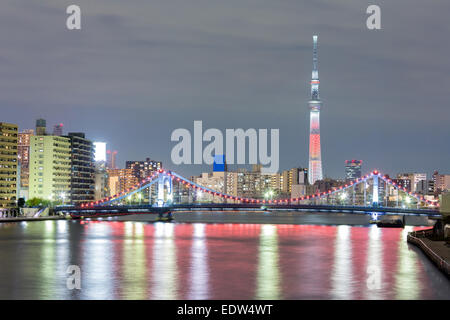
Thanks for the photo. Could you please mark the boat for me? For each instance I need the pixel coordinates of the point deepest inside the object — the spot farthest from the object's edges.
(391, 222)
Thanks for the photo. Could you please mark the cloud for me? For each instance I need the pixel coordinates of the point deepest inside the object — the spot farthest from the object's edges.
(139, 69)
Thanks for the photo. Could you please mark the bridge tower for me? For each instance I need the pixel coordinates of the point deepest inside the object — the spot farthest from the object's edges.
(375, 201)
(165, 190)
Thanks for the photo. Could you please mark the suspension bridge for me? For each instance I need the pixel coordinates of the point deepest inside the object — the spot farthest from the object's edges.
(372, 193)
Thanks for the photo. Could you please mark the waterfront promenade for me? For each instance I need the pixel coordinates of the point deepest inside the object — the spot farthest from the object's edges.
(436, 251)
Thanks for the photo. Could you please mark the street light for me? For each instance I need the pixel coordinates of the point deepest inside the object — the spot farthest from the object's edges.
(63, 197)
(269, 194)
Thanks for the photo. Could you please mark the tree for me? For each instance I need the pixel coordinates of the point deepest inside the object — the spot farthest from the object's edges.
(38, 202)
(21, 202)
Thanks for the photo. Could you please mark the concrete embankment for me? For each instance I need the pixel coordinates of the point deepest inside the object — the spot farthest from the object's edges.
(436, 251)
(20, 219)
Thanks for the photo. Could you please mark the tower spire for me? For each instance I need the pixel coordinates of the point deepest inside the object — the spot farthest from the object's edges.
(315, 72)
(315, 157)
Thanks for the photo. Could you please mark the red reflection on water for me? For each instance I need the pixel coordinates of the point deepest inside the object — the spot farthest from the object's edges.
(248, 261)
(232, 258)
(305, 261)
(390, 238)
(359, 246)
(184, 238)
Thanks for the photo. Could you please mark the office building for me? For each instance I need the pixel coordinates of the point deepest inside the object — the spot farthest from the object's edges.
(353, 170)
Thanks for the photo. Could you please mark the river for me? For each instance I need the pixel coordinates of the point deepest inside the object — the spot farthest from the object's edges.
(145, 260)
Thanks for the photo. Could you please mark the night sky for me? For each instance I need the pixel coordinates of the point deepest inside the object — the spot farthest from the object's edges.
(140, 69)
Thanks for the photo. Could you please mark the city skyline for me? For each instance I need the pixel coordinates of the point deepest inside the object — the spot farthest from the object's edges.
(381, 106)
(233, 167)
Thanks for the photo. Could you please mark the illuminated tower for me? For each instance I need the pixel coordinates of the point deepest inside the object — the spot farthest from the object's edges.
(315, 159)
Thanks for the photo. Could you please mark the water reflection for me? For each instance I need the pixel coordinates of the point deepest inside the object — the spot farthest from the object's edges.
(374, 265)
(268, 285)
(406, 283)
(199, 272)
(342, 268)
(137, 260)
(97, 257)
(164, 273)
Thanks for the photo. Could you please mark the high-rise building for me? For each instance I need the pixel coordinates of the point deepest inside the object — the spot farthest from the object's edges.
(441, 182)
(111, 159)
(120, 180)
(23, 154)
(23, 151)
(82, 186)
(143, 169)
(315, 157)
(353, 169)
(101, 181)
(50, 168)
(403, 182)
(213, 180)
(41, 127)
(326, 184)
(101, 174)
(298, 182)
(8, 165)
(58, 129)
(415, 179)
(425, 187)
(292, 177)
(241, 183)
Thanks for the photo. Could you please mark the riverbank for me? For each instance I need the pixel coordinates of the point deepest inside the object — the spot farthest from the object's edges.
(436, 251)
(20, 219)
